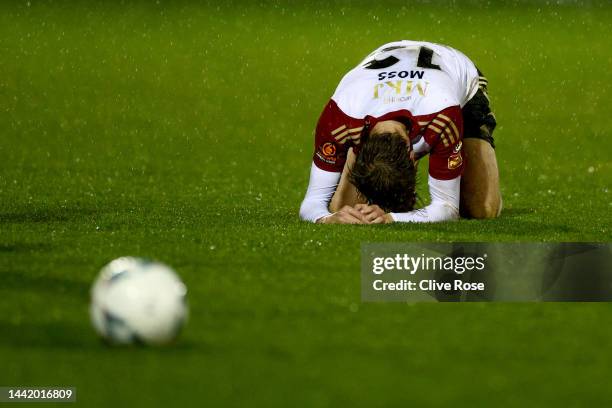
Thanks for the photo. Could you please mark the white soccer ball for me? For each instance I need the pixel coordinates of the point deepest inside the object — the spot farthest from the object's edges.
(134, 300)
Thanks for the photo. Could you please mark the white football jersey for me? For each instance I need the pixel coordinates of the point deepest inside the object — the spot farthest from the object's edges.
(418, 76)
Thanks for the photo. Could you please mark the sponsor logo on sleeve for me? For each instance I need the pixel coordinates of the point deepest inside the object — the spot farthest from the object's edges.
(327, 153)
(328, 149)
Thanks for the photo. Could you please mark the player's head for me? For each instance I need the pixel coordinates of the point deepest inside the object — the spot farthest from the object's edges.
(384, 173)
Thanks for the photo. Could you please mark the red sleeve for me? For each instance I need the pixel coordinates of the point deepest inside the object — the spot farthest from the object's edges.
(444, 134)
(335, 133)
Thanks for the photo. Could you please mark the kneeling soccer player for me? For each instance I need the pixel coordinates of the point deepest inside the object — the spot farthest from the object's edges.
(405, 100)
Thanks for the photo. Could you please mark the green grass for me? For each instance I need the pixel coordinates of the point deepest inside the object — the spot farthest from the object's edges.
(184, 133)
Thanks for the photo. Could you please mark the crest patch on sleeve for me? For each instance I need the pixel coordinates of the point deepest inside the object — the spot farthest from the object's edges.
(454, 160)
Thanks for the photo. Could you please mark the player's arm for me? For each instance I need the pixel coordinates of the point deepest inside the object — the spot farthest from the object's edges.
(328, 161)
(315, 205)
(444, 204)
(321, 188)
(443, 140)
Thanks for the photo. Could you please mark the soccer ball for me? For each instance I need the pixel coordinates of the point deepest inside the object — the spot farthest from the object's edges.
(134, 300)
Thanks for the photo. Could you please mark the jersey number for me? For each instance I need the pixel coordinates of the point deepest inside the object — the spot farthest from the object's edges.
(424, 61)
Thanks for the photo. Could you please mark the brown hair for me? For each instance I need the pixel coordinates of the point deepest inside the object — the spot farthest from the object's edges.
(384, 173)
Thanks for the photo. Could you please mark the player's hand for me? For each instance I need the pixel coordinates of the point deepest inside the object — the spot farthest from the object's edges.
(346, 215)
(374, 214)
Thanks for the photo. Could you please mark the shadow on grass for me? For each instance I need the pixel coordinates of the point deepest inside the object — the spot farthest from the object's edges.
(43, 215)
(74, 337)
(46, 335)
(521, 228)
(493, 227)
(25, 247)
(21, 282)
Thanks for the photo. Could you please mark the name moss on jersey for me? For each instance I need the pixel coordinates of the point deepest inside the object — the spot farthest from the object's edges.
(420, 84)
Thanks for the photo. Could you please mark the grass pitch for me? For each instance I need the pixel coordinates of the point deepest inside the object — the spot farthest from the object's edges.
(183, 133)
